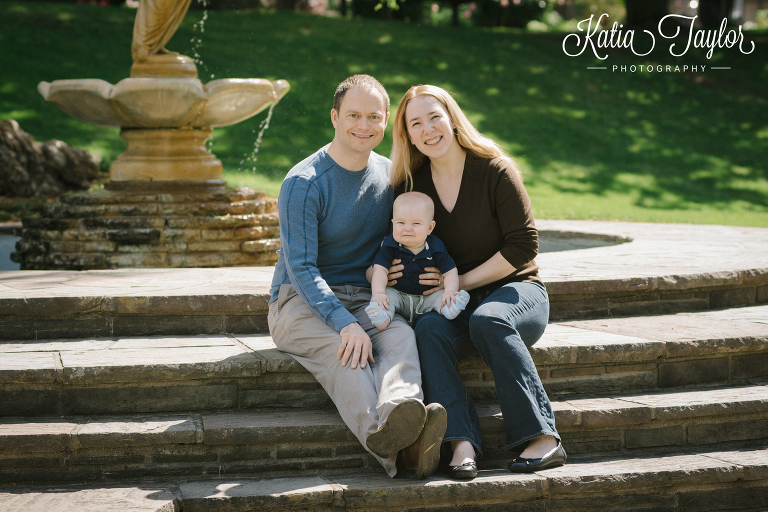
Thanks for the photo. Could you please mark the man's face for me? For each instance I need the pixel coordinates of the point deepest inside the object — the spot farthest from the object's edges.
(360, 121)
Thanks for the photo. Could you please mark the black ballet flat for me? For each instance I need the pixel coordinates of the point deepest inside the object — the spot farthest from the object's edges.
(466, 471)
(553, 459)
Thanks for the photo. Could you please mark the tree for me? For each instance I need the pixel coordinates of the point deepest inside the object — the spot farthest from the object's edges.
(645, 13)
(712, 12)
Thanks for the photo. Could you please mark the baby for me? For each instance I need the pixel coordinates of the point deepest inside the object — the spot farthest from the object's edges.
(413, 244)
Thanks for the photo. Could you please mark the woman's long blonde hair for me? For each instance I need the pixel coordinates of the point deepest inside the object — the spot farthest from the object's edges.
(405, 157)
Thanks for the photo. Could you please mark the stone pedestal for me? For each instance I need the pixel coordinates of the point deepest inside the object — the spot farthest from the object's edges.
(177, 224)
(165, 155)
(164, 64)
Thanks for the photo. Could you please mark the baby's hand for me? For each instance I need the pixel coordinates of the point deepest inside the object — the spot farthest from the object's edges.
(448, 297)
(381, 299)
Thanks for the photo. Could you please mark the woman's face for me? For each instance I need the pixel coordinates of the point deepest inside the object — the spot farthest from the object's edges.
(429, 126)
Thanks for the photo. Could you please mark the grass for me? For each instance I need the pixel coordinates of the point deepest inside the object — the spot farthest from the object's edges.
(661, 147)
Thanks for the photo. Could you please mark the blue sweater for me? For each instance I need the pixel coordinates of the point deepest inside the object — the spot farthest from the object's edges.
(332, 222)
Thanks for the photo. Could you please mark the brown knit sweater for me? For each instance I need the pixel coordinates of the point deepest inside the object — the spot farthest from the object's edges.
(492, 213)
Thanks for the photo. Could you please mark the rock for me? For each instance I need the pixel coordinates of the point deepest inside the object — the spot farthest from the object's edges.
(29, 168)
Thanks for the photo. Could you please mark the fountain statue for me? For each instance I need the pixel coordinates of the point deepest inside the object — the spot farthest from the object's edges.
(166, 173)
(156, 22)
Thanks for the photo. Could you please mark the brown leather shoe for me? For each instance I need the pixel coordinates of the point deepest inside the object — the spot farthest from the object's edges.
(401, 428)
(423, 456)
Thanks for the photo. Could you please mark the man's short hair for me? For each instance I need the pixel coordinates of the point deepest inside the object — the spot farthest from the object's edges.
(365, 82)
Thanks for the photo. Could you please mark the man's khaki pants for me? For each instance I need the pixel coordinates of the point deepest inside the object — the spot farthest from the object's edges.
(364, 397)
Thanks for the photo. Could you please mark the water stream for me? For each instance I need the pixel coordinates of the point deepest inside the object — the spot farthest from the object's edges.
(250, 160)
(197, 41)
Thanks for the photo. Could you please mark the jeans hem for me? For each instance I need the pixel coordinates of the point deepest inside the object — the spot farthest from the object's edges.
(478, 451)
(534, 436)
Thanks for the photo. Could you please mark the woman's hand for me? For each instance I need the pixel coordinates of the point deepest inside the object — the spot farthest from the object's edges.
(395, 271)
(434, 278)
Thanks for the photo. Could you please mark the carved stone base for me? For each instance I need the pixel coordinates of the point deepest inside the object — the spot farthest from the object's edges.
(164, 64)
(158, 187)
(165, 155)
(204, 225)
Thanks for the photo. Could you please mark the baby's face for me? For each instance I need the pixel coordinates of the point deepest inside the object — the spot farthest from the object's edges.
(411, 223)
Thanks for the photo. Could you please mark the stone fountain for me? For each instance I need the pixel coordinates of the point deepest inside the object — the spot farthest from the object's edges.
(165, 204)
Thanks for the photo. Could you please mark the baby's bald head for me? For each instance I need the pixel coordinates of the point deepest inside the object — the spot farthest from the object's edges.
(415, 201)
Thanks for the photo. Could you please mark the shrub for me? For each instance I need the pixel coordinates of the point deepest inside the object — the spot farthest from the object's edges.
(410, 10)
(508, 13)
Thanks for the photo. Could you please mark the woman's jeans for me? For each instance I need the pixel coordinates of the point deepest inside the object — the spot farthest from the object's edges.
(501, 328)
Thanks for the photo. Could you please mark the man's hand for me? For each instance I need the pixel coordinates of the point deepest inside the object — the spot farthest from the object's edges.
(394, 272)
(356, 344)
(432, 277)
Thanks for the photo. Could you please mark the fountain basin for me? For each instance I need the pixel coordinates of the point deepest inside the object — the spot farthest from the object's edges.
(163, 102)
(557, 241)
(165, 121)
(7, 246)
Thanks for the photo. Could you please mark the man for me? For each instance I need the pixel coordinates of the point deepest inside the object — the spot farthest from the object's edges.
(335, 207)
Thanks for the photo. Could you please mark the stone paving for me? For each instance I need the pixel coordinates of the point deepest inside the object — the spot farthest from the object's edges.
(667, 253)
(711, 267)
(118, 498)
(728, 324)
(697, 482)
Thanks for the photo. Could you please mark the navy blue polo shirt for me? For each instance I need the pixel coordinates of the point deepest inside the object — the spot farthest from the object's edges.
(434, 254)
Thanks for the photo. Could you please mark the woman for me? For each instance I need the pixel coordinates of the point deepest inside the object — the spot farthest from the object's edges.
(484, 218)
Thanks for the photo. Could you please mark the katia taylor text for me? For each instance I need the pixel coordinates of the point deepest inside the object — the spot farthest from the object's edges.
(617, 37)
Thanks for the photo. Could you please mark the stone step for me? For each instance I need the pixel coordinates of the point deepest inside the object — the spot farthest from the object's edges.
(592, 270)
(188, 301)
(129, 302)
(694, 481)
(242, 372)
(83, 448)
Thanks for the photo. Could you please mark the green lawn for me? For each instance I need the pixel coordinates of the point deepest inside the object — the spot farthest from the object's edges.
(594, 144)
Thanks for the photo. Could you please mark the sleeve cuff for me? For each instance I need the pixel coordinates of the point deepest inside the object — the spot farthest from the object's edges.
(511, 255)
(339, 319)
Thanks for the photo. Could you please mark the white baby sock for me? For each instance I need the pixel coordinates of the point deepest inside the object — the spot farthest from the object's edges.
(453, 309)
(377, 315)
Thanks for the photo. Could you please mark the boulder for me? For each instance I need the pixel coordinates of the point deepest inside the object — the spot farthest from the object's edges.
(29, 168)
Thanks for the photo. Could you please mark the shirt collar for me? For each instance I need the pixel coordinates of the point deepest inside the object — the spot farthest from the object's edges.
(391, 242)
(424, 253)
